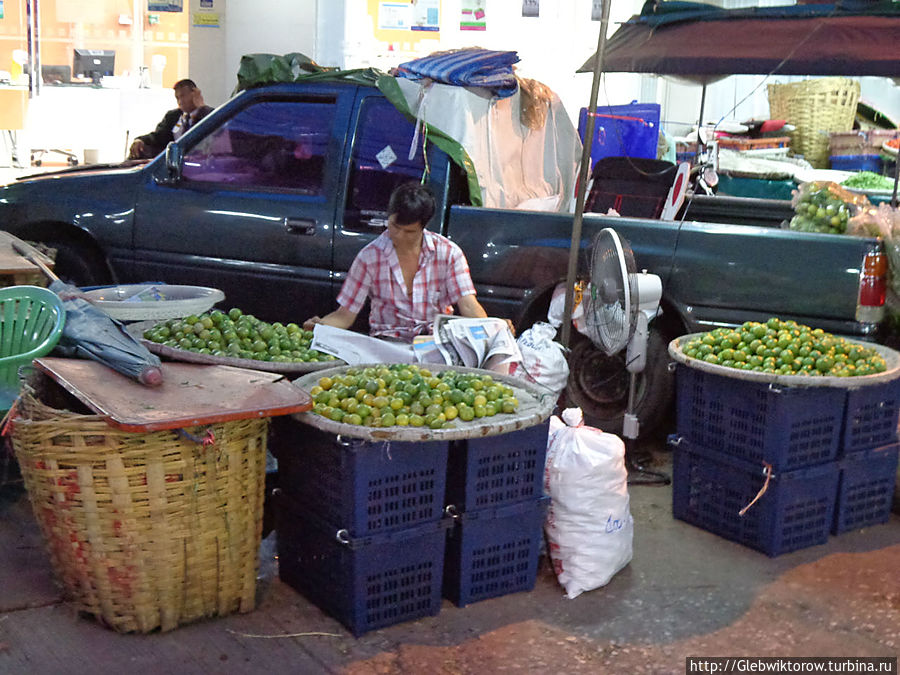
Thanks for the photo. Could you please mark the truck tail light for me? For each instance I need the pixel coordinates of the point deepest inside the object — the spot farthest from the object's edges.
(872, 287)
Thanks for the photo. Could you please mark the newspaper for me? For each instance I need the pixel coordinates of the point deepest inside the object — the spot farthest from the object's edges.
(474, 343)
(356, 348)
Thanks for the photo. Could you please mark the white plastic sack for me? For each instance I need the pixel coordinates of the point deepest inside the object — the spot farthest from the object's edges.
(589, 526)
(543, 360)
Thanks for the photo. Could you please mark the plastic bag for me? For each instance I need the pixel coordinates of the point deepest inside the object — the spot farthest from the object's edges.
(589, 526)
(543, 360)
(882, 221)
(822, 206)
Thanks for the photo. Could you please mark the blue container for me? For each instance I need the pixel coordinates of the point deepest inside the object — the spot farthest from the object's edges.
(866, 489)
(871, 417)
(497, 470)
(788, 427)
(623, 130)
(494, 551)
(367, 582)
(361, 486)
(856, 163)
(709, 490)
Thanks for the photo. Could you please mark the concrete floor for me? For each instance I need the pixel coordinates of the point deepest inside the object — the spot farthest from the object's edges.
(686, 593)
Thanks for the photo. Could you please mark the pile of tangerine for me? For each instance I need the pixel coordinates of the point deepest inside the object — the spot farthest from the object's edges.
(408, 395)
(784, 348)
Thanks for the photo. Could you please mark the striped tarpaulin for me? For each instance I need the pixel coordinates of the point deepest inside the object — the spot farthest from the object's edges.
(467, 68)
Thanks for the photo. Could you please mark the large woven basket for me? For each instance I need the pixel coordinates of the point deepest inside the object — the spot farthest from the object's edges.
(146, 530)
(817, 108)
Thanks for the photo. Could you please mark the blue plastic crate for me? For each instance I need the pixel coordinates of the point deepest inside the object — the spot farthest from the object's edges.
(856, 163)
(709, 489)
(871, 417)
(866, 489)
(366, 582)
(358, 485)
(630, 130)
(788, 427)
(497, 470)
(494, 551)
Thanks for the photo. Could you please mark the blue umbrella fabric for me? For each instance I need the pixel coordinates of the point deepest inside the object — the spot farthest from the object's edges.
(90, 333)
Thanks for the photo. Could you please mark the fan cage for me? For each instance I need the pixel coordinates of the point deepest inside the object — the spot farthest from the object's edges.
(612, 258)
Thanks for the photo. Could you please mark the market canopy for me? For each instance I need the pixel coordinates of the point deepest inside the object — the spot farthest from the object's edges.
(699, 41)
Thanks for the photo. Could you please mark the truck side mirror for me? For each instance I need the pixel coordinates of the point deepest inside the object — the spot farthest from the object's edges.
(174, 161)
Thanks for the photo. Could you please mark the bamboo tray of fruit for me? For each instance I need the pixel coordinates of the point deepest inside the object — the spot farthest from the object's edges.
(233, 339)
(787, 353)
(387, 402)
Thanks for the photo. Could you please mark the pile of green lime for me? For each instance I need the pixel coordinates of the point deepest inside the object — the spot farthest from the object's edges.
(820, 209)
(237, 335)
(784, 348)
(408, 395)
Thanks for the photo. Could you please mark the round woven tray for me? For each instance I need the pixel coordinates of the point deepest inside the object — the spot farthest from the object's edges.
(891, 357)
(535, 406)
(186, 356)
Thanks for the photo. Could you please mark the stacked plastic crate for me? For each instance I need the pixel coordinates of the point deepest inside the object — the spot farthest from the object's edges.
(494, 486)
(779, 468)
(360, 524)
(868, 456)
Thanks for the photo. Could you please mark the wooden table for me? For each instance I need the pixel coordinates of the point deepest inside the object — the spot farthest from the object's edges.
(190, 395)
(16, 270)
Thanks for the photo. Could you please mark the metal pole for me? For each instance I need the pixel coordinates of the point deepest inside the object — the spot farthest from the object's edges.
(582, 178)
(896, 180)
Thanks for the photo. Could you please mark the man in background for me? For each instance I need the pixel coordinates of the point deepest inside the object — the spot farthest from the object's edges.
(190, 110)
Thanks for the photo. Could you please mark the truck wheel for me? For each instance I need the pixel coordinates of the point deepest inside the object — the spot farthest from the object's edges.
(598, 384)
(78, 264)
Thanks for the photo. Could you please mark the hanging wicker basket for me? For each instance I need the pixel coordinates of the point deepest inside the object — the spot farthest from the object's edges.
(817, 108)
(145, 530)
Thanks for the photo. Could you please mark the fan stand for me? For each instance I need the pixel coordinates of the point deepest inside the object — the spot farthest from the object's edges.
(635, 361)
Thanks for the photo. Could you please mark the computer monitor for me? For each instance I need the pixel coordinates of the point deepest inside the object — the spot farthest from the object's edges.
(93, 63)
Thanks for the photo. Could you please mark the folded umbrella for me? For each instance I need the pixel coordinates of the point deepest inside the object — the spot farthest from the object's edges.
(91, 333)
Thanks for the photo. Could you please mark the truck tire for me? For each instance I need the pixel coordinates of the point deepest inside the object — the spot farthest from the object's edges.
(78, 264)
(598, 384)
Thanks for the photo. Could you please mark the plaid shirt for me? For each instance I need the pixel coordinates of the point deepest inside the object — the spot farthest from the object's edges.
(440, 281)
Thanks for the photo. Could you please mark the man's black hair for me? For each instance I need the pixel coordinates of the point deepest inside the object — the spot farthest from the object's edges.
(412, 203)
(185, 83)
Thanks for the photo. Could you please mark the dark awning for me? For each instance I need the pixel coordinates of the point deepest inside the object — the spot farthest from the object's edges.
(699, 41)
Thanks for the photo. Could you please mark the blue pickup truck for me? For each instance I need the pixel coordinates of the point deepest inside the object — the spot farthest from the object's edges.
(271, 196)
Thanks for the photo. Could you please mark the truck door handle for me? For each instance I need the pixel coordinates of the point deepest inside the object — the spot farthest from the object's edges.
(302, 226)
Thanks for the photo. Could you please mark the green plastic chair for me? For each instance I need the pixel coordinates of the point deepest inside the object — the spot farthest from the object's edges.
(31, 322)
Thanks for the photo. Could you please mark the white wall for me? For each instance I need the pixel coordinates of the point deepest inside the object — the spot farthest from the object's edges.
(551, 48)
(247, 27)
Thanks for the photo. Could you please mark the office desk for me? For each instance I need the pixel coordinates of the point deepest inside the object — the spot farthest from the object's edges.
(80, 118)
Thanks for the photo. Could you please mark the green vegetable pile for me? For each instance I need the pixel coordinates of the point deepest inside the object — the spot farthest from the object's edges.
(237, 335)
(868, 180)
(784, 348)
(820, 208)
(408, 395)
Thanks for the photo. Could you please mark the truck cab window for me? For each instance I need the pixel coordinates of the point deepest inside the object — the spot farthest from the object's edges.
(380, 160)
(272, 144)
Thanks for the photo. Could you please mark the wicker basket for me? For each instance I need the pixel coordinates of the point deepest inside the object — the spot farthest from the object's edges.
(816, 108)
(146, 530)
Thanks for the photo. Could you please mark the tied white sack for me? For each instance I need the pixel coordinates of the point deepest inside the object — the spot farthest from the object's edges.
(589, 526)
(543, 360)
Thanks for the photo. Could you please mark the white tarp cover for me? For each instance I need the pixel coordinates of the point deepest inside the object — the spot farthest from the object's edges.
(517, 167)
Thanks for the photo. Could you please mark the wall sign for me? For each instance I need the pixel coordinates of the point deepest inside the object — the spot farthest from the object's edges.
(426, 15)
(531, 7)
(472, 15)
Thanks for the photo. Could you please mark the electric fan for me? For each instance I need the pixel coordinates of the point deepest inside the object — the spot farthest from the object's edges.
(622, 301)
